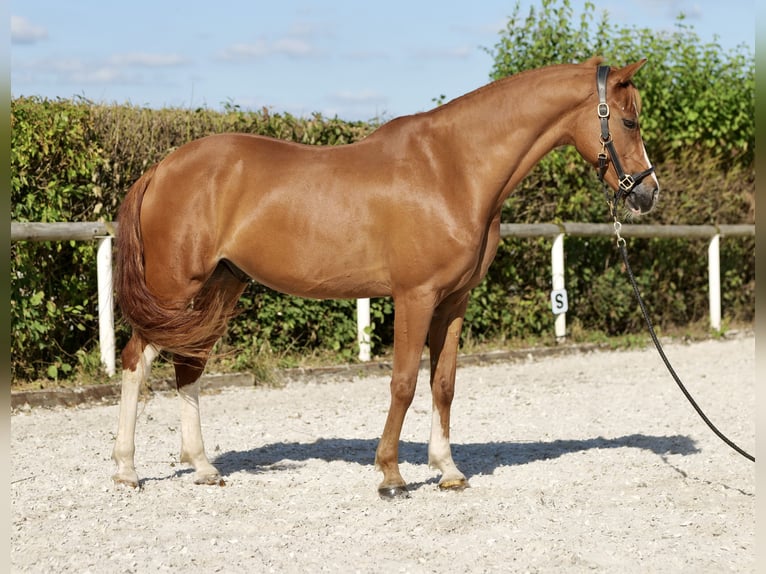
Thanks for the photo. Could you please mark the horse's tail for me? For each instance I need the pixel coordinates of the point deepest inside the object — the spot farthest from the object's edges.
(186, 328)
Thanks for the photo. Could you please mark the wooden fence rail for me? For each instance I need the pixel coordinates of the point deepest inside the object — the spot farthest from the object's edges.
(103, 232)
(84, 231)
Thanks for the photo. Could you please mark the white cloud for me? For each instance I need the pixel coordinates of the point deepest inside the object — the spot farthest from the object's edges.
(148, 60)
(102, 75)
(133, 68)
(58, 65)
(300, 40)
(292, 47)
(24, 32)
(288, 46)
(119, 69)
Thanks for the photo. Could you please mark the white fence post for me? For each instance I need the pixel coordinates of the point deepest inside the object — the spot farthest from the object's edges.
(363, 328)
(105, 304)
(714, 282)
(558, 284)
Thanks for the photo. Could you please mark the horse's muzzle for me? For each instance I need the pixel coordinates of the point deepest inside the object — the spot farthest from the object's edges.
(643, 197)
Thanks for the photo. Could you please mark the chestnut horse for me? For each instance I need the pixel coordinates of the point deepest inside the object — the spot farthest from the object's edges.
(411, 212)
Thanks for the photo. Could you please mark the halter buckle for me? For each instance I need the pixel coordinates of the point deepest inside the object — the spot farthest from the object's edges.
(627, 182)
(603, 110)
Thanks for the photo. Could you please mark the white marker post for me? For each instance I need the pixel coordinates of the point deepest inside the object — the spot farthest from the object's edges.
(714, 282)
(363, 329)
(559, 303)
(105, 304)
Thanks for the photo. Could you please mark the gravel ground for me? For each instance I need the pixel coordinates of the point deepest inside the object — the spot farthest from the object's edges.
(583, 462)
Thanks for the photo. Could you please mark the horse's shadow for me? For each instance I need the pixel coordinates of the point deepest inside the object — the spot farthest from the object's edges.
(472, 458)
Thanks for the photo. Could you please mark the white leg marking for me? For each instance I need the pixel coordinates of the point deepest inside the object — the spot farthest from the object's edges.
(440, 455)
(192, 446)
(124, 445)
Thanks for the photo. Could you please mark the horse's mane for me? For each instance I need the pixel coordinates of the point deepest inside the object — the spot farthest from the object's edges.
(593, 61)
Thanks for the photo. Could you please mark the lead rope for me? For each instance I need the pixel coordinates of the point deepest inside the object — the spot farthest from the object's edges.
(624, 252)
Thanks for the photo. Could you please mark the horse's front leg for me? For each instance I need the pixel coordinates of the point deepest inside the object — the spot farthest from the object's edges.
(412, 316)
(443, 341)
(188, 372)
(137, 359)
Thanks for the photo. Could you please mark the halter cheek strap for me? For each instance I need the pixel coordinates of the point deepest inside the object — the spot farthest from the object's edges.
(608, 152)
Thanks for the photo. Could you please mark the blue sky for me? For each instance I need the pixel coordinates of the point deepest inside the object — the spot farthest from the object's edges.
(354, 59)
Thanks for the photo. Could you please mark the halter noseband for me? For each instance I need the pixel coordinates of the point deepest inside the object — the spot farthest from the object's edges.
(626, 181)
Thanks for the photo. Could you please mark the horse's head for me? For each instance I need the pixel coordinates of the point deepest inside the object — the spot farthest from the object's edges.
(609, 137)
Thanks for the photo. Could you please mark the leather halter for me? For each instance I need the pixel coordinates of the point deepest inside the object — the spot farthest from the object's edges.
(626, 181)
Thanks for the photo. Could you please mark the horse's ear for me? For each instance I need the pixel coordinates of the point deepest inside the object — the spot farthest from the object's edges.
(594, 61)
(624, 75)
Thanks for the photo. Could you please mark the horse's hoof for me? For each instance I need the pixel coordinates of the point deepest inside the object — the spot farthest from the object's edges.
(130, 481)
(454, 485)
(210, 480)
(393, 492)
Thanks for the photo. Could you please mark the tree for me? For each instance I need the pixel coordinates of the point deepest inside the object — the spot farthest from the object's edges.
(697, 97)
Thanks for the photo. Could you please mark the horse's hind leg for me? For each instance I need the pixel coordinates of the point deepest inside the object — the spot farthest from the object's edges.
(188, 372)
(137, 358)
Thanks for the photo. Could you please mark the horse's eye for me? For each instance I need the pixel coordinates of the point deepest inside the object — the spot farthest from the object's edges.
(630, 124)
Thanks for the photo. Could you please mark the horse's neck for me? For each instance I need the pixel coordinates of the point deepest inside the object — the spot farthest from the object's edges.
(506, 127)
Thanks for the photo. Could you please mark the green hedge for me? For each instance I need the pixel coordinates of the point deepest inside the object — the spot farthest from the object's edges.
(73, 160)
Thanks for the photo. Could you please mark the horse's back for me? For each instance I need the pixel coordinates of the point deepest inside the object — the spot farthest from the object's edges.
(280, 211)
